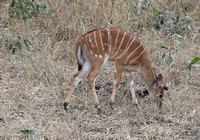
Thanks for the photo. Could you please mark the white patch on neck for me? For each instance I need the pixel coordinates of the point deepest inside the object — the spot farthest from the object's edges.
(139, 68)
(126, 73)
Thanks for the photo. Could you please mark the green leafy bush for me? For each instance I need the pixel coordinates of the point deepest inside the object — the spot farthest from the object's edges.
(26, 9)
(15, 44)
(22, 10)
(192, 63)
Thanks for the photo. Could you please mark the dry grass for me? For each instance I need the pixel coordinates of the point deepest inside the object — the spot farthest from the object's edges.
(33, 84)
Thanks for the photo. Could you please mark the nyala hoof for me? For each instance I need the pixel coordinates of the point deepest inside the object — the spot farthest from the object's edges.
(66, 108)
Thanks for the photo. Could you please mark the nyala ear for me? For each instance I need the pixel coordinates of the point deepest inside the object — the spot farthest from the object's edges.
(159, 80)
(165, 88)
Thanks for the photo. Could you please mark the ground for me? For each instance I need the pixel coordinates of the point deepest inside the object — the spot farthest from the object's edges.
(34, 84)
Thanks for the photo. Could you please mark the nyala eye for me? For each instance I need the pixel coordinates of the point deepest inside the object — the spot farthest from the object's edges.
(160, 95)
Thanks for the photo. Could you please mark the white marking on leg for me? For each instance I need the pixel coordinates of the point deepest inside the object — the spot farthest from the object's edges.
(132, 53)
(127, 48)
(133, 92)
(120, 43)
(114, 82)
(133, 95)
(86, 66)
(96, 55)
(95, 40)
(116, 41)
(131, 83)
(105, 60)
(137, 57)
(100, 56)
(101, 39)
(77, 80)
(115, 70)
(85, 69)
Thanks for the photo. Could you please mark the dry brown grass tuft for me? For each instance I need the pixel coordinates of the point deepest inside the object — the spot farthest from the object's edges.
(33, 84)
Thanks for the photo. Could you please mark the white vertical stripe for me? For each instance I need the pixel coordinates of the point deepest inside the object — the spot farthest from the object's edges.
(120, 43)
(132, 52)
(127, 47)
(101, 39)
(95, 40)
(86, 39)
(90, 40)
(116, 41)
(109, 40)
(128, 41)
(137, 57)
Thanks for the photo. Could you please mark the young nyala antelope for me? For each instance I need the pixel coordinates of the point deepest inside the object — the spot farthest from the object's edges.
(95, 48)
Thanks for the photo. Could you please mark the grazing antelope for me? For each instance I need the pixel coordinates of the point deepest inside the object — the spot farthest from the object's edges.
(95, 48)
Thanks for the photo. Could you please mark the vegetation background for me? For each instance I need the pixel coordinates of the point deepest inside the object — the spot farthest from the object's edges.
(37, 64)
